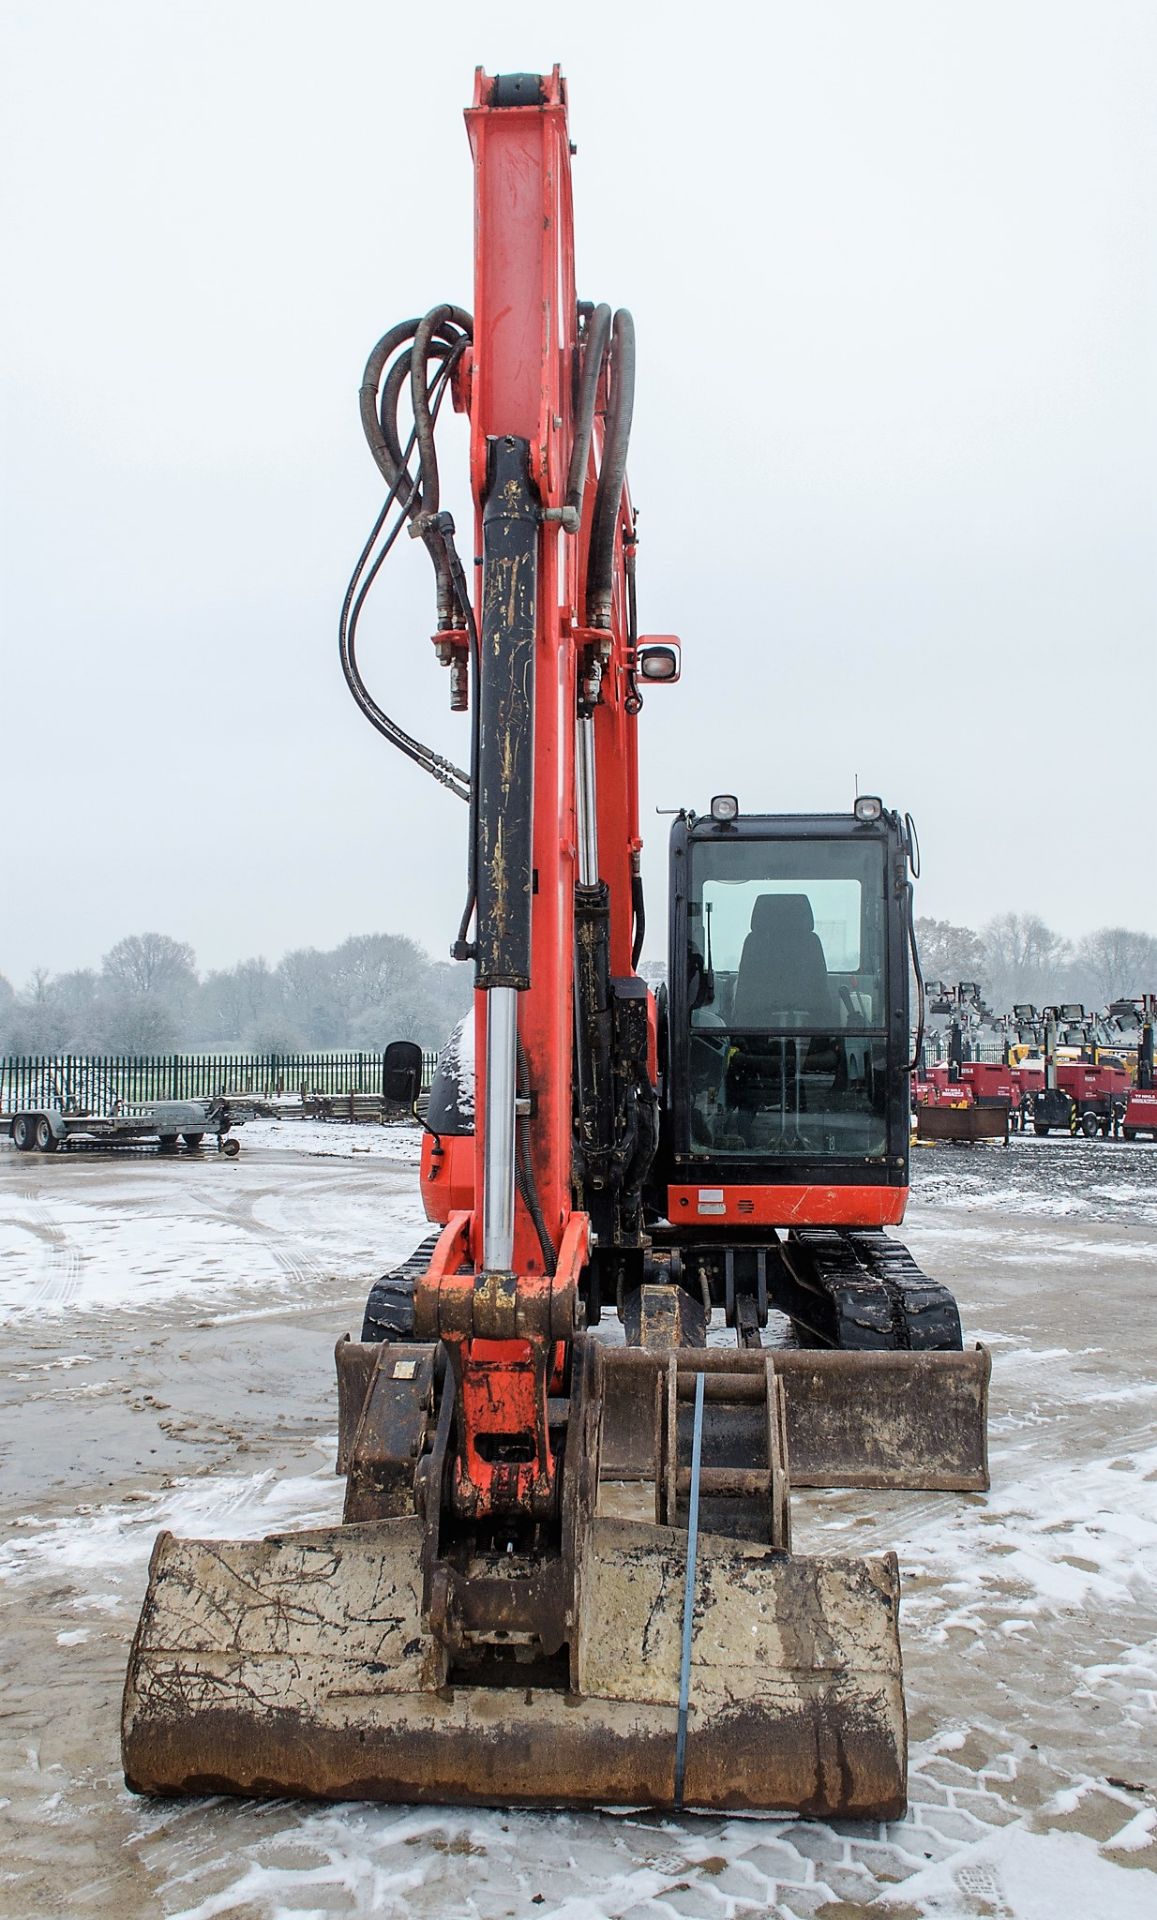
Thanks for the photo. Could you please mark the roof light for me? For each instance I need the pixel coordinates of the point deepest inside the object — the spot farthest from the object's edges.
(868, 807)
(724, 807)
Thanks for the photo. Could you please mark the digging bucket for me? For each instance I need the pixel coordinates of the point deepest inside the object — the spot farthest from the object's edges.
(301, 1665)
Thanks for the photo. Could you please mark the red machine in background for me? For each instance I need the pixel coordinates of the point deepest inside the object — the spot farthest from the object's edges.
(565, 1570)
(1085, 1095)
(962, 1100)
(1140, 1114)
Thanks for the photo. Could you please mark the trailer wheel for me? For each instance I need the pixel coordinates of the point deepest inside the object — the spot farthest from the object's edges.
(1090, 1125)
(1038, 1126)
(192, 1140)
(230, 1148)
(169, 1142)
(24, 1132)
(46, 1141)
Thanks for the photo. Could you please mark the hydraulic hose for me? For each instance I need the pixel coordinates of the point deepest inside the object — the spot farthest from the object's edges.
(427, 352)
(598, 334)
(437, 322)
(918, 971)
(608, 499)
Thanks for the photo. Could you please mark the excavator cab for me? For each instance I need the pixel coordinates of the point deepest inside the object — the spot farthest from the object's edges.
(785, 1118)
(788, 1035)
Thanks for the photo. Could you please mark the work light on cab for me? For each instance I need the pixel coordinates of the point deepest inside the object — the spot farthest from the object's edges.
(658, 659)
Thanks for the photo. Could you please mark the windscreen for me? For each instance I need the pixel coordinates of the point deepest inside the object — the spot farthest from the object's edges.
(786, 987)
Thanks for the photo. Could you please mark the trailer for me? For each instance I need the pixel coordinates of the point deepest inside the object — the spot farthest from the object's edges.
(950, 1110)
(963, 1100)
(48, 1128)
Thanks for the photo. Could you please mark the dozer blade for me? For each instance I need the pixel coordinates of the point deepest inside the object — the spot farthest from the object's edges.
(916, 1421)
(302, 1665)
(909, 1420)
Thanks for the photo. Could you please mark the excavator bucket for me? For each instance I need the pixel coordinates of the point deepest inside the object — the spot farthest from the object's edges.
(302, 1665)
(673, 1652)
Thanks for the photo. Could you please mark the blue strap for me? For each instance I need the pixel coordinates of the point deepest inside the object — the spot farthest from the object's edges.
(689, 1592)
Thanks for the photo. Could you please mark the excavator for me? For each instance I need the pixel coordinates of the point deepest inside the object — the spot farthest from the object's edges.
(658, 1291)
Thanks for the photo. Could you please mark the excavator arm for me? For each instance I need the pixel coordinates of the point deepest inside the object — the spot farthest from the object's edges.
(566, 1122)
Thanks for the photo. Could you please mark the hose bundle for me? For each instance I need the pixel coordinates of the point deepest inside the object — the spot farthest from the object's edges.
(419, 356)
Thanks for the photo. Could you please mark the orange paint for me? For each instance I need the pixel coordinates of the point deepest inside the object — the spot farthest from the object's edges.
(817, 1206)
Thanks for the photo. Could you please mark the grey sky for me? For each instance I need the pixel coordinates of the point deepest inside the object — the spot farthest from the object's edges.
(892, 268)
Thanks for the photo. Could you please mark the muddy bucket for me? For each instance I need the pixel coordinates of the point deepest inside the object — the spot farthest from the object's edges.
(302, 1665)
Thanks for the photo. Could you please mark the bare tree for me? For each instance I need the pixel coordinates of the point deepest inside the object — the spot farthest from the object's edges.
(1023, 959)
(59, 1013)
(152, 963)
(148, 981)
(310, 997)
(948, 952)
(239, 1002)
(1115, 962)
(141, 1023)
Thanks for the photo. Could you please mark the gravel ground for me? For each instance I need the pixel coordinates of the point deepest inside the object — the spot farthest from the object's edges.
(168, 1333)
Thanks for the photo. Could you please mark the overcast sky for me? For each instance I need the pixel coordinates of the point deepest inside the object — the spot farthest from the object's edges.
(892, 269)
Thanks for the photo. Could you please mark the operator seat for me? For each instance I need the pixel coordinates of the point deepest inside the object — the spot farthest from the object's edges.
(783, 977)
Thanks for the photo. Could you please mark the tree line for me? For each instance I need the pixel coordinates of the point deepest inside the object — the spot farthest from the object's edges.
(147, 996)
(1016, 957)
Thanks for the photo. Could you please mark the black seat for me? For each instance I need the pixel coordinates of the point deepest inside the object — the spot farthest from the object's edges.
(783, 977)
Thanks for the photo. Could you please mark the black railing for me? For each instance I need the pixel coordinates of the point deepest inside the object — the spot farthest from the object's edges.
(937, 1046)
(95, 1083)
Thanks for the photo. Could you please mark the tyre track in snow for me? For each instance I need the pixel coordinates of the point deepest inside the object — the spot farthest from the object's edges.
(59, 1258)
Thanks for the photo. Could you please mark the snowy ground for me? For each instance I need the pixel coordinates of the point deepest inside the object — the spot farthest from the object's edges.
(168, 1328)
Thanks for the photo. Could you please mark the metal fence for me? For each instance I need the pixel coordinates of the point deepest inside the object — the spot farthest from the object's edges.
(937, 1044)
(95, 1083)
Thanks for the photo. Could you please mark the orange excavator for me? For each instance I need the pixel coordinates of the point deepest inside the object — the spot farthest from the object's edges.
(564, 1573)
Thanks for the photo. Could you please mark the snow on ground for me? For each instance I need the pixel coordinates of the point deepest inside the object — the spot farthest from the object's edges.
(1110, 1180)
(109, 1544)
(334, 1139)
(1034, 1877)
(142, 1230)
(1029, 1615)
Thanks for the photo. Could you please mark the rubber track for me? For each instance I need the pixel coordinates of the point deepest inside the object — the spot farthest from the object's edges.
(861, 1291)
(390, 1307)
(841, 1304)
(926, 1316)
